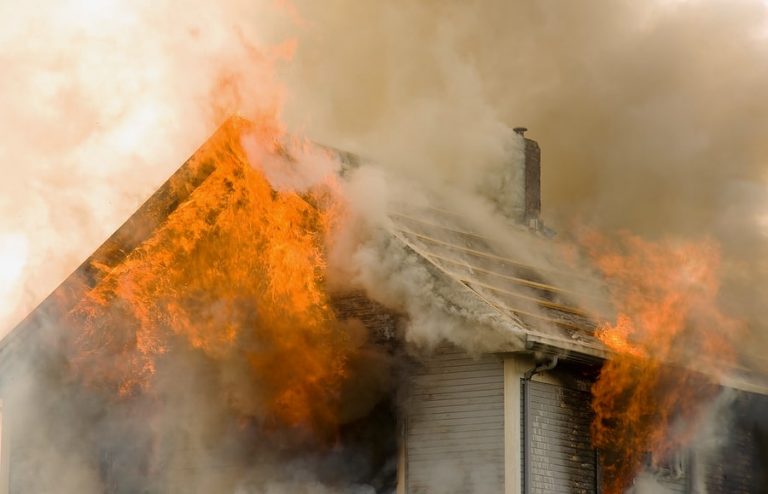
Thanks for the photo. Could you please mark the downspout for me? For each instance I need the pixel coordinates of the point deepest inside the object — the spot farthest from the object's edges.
(544, 366)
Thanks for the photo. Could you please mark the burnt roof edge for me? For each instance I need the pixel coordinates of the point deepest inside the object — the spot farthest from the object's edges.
(139, 226)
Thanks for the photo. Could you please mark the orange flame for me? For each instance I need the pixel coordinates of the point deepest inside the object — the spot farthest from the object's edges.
(235, 273)
(668, 327)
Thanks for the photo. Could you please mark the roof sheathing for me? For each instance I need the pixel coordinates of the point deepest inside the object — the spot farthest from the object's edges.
(519, 292)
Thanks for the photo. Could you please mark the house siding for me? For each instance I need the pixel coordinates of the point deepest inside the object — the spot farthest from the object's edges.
(732, 469)
(561, 457)
(455, 425)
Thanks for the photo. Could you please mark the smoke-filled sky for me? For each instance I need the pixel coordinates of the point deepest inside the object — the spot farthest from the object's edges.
(651, 115)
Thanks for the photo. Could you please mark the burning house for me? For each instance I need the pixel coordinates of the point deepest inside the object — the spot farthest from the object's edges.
(197, 350)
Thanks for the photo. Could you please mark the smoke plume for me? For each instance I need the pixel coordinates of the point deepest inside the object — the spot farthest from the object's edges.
(649, 113)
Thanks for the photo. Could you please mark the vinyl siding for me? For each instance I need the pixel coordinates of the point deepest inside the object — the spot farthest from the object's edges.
(455, 425)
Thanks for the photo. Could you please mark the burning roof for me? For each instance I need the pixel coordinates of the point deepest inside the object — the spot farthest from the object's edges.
(220, 259)
(219, 275)
(542, 312)
(534, 308)
(138, 228)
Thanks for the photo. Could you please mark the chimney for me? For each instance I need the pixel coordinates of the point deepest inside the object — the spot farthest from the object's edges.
(531, 181)
(513, 183)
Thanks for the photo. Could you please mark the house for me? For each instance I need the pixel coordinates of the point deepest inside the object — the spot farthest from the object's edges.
(512, 415)
(517, 419)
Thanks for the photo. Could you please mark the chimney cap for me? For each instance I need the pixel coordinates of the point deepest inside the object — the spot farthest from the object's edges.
(520, 130)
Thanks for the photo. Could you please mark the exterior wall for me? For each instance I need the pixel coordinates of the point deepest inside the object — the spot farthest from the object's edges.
(732, 471)
(380, 322)
(464, 428)
(559, 453)
(562, 459)
(454, 428)
(738, 464)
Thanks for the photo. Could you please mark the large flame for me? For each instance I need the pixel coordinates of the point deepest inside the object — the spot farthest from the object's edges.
(235, 272)
(668, 334)
(102, 99)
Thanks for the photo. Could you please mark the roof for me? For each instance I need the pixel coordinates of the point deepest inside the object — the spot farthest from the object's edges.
(136, 230)
(533, 297)
(538, 306)
(555, 304)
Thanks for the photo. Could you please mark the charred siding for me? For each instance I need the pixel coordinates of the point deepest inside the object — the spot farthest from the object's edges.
(381, 322)
(561, 457)
(736, 467)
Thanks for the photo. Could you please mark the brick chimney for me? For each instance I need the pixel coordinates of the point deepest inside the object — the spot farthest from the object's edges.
(531, 181)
